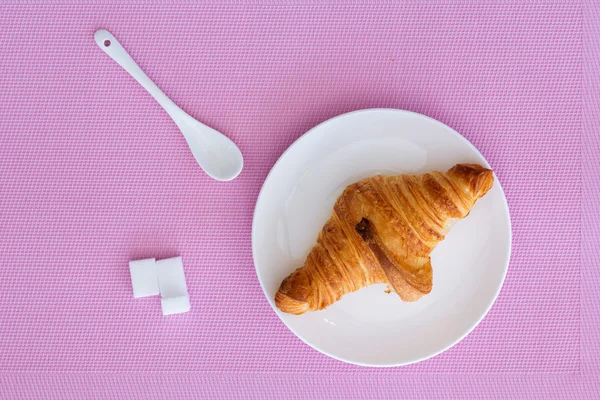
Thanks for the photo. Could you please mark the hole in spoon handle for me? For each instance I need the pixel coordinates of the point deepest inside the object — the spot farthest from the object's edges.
(107, 42)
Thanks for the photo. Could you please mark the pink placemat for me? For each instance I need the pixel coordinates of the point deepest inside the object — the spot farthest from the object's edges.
(94, 174)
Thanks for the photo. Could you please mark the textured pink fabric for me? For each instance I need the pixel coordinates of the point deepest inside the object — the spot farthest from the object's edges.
(94, 174)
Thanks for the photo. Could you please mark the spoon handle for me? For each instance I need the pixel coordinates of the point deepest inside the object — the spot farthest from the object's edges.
(111, 46)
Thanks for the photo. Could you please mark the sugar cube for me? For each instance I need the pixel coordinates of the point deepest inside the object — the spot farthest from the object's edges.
(144, 278)
(175, 305)
(171, 279)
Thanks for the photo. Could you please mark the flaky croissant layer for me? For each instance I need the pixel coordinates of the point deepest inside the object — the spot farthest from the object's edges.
(383, 230)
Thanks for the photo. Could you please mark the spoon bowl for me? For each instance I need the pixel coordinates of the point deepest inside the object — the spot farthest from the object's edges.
(217, 155)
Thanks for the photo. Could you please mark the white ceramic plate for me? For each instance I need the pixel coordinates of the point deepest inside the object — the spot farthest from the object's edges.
(370, 327)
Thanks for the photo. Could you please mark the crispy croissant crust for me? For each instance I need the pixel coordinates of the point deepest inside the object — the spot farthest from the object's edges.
(382, 230)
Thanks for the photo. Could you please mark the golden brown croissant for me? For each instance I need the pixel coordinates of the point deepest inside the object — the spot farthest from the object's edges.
(382, 231)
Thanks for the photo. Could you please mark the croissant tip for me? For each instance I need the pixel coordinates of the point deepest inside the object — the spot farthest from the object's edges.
(290, 305)
(479, 179)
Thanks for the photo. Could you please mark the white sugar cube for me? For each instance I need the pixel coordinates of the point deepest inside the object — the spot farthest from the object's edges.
(175, 305)
(171, 279)
(144, 278)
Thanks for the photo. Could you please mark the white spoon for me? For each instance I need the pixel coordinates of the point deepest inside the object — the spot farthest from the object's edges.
(218, 156)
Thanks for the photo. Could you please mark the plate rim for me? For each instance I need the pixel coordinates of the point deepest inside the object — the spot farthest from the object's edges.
(474, 325)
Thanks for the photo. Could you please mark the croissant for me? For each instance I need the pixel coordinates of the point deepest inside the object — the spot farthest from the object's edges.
(383, 230)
